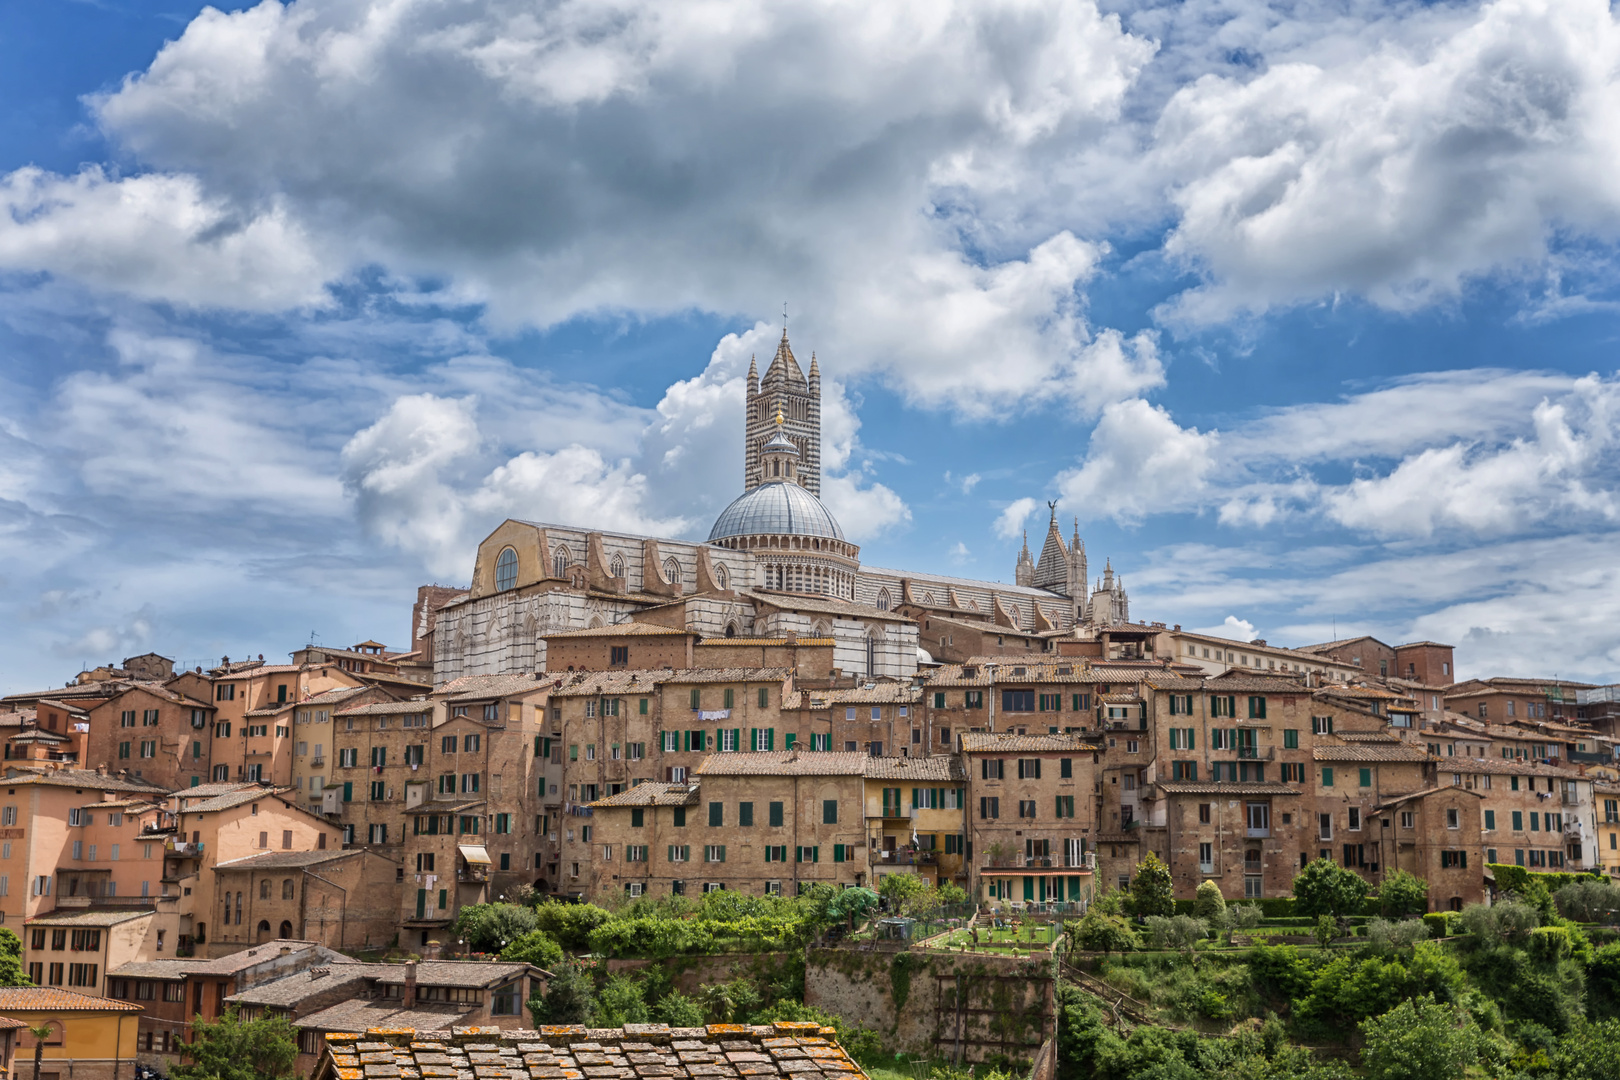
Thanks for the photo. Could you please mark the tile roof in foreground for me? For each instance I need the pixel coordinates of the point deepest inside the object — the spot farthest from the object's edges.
(804, 1051)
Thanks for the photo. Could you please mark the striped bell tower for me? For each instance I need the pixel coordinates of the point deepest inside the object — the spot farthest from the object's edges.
(784, 387)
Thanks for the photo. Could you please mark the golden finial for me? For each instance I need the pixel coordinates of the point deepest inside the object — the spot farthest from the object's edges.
(779, 420)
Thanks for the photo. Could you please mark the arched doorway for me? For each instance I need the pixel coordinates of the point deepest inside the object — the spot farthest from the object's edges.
(263, 933)
(286, 929)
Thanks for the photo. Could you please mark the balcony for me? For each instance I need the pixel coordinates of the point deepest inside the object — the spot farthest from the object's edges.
(318, 763)
(1260, 833)
(1571, 799)
(185, 848)
(469, 875)
(907, 858)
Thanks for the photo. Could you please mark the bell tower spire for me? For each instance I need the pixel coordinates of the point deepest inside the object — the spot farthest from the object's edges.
(784, 392)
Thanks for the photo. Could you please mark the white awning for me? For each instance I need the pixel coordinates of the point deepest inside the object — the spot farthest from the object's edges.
(475, 853)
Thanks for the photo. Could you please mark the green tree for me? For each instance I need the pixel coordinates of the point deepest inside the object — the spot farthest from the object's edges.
(40, 1032)
(952, 893)
(620, 1002)
(536, 947)
(1152, 890)
(1208, 903)
(1097, 932)
(11, 969)
(229, 1049)
(899, 888)
(1588, 1052)
(569, 924)
(1327, 928)
(569, 999)
(1420, 1039)
(1325, 888)
(1403, 894)
(491, 927)
(678, 1010)
(850, 906)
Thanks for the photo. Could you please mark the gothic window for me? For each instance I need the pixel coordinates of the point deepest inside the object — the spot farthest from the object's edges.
(871, 654)
(616, 568)
(883, 600)
(731, 629)
(928, 598)
(672, 570)
(722, 576)
(559, 563)
(505, 570)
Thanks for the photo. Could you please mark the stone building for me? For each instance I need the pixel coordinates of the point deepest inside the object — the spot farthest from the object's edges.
(342, 899)
(763, 823)
(1436, 834)
(916, 818)
(1031, 813)
(377, 750)
(153, 732)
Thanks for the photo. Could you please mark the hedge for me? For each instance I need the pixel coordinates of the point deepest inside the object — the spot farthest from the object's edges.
(1443, 923)
(1511, 878)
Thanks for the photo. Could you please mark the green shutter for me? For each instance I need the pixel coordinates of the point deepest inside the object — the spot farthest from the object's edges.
(1029, 888)
(770, 738)
(348, 790)
(787, 743)
(1327, 777)
(753, 738)
(643, 706)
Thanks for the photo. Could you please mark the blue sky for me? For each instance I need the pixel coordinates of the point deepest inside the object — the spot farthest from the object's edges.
(1305, 309)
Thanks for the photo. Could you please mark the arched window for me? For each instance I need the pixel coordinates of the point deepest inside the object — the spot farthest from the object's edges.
(263, 932)
(776, 468)
(559, 563)
(616, 567)
(672, 570)
(505, 570)
(264, 889)
(883, 600)
(722, 576)
(731, 629)
(286, 888)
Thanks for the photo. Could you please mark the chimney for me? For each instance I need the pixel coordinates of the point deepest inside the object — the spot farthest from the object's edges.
(410, 984)
(286, 950)
(101, 770)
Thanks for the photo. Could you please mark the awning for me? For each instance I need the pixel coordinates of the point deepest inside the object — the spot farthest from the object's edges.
(475, 853)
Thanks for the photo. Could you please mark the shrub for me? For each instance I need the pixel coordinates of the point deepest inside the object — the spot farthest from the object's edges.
(1243, 916)
(1403, 894)
(1097, 932)
(1588, 1052)
(1176, 931)
(536, 947)
(1326, 888)
(1550, 944)
(1279, 972)
(1383, 935)
(1588, 900)
(1327, 928)
(678, 1010)
(1208, 903)
(1152, 890)
(1508, 921)
(490, 927)
(620, 1002)
(899, 888)
(569, 999)
(1603, 981)
(569, 924)
(1420, 1040)
(1438, 923)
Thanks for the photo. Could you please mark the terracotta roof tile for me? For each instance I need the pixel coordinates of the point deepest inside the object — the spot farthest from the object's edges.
(652, 793)
(46, 998)
(1366, 752)
(627, 629)
(985, 742)
(784, 763)
(1214, 788)
(939, 767)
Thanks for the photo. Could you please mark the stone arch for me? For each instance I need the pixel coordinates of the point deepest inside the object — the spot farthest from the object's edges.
(286, 929)
(732, 629)
(722, 576)
(286, 888)
(262, 933)
(672, 570)
(264, 889)
(616, 567)
(821, 629)
(884, 601)
(597, 622)
(560, 561)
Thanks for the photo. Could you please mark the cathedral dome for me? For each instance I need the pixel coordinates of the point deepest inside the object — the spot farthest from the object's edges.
(778, 508)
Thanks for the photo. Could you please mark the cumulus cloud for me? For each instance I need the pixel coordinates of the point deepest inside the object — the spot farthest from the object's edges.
(1010, 522)
(1397, 165)
(602, 156)
(1232, 627)
(1139, 462)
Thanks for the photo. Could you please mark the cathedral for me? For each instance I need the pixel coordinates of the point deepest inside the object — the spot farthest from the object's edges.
(776, 565)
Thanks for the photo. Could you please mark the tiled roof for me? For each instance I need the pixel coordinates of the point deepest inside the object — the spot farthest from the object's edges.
(293, 989)
(260, 669)
(652, 793)
(88, 916)
(258, 954)
(234, 799)
(454, 972)
(1359, 692)
(1214, 788)
(272, 860)
(388, 708)
(685, 676)
(1500, 766)
(479, 687)
(1368, 736)
(1425, 793)
(626, 629)
(1169, 681)
(155, 969)
(1067, 671)
(1324, 646)
(1366, 752)
(812, 641)
(822, 604)
(136, 805)
(879, 693)
(209, 791)
(805, 1051)
(939, 767)
(598, 683)
(18, 776)
(24, 999)
(784, 763)
(1122, 698)
(985, 742)
(65, 706)
(1237, 682)
(373, 1017)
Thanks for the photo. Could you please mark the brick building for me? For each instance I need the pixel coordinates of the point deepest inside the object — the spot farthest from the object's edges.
(1031, 813)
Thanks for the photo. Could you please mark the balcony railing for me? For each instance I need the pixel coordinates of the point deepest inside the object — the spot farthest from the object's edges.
(1260, 833)
(183, 847)
(907, 858)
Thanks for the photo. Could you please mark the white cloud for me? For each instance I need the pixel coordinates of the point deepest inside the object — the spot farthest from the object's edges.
(863, 512)
(960, 555)
(1397, 164)
(968, 482)
(1010, 522)
(160, 237)
(1232, 627)
(1139, 462)
(604, 156)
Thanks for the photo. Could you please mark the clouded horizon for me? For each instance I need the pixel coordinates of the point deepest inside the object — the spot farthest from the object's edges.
(1304, 309)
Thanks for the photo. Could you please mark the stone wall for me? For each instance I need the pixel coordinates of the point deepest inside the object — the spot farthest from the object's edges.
(938, 1003)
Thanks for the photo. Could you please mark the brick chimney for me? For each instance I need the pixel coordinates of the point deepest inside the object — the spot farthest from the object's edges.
(410, 984)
